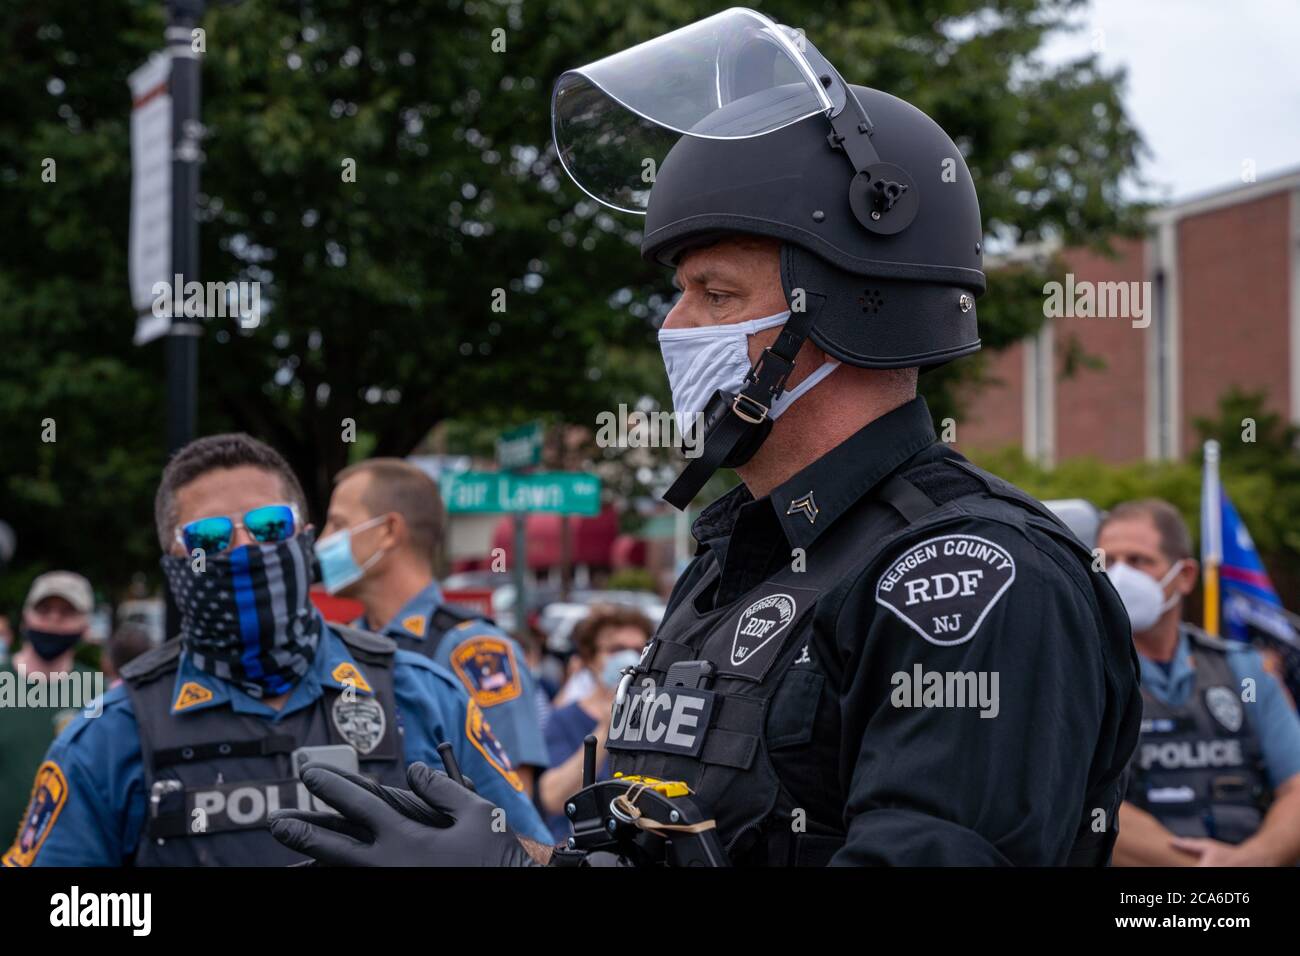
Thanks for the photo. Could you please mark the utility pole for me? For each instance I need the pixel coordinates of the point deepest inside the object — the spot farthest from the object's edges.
(187, 136)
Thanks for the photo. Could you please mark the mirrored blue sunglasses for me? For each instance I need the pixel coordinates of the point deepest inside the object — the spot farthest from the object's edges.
(266, 525)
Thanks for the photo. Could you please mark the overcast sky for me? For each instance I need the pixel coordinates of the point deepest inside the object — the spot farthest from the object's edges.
(1211, 83)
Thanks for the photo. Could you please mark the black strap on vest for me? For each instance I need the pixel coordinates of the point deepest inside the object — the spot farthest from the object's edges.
(907, 499)
(448, 617)
(366, 646)
(263, 747)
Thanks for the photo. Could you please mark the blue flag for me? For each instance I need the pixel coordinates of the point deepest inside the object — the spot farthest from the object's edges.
(1249, 599)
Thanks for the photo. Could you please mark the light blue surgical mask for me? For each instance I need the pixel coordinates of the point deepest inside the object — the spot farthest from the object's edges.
(612, 672)
(338, 568)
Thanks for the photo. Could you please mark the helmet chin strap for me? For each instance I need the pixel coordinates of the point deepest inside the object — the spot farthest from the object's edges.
(735, 425)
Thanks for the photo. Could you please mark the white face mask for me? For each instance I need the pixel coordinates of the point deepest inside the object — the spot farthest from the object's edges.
(1143, 596)
(702, 360)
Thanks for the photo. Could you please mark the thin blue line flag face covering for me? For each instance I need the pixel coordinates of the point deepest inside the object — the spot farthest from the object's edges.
(702, 360)
(247, 617)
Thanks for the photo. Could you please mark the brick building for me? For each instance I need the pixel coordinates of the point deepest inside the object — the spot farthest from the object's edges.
(1218, 277)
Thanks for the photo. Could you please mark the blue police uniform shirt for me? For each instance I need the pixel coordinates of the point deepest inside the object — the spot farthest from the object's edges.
(100, 794)
(490, 665)
(1271, 716)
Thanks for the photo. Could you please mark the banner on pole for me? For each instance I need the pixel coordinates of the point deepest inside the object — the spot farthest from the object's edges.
(150, 250)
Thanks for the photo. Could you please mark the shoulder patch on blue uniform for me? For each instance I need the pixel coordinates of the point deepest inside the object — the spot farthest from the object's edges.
(944, 587)
(479, 732)
(49, 794)
(191, 694)
(348, 675)
(487, 668)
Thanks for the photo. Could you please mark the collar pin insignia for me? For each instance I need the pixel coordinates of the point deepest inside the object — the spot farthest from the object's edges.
(806, 505)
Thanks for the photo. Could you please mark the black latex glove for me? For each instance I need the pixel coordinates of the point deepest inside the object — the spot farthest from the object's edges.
(394, 828)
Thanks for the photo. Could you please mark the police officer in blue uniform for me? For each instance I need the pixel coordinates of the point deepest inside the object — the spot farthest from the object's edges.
(880, 654)
(207, 734)
(381, 534)
(1216, 776)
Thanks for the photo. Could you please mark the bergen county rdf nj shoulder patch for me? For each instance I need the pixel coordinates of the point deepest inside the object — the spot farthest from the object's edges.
(943, 588)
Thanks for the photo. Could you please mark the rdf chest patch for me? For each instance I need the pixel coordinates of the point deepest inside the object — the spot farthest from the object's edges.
(944, 587)
(746, 642)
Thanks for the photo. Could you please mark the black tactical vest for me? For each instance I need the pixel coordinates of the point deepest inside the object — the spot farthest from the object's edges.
(1199, 768)
(213, 775)
(715, 733)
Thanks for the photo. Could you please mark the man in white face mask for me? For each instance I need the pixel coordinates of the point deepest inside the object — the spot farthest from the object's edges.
(731, 308)
(1216, 776)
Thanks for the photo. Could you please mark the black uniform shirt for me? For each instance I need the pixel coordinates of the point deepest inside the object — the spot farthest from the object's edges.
(978, 700)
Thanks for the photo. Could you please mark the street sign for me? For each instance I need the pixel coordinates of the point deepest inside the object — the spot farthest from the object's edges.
(520, 447)
(558, 492)
(150, 250)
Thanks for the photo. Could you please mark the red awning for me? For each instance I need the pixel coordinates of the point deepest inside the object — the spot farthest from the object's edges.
(591, 539)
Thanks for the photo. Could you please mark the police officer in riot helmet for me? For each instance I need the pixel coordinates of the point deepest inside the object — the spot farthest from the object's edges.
(880, 654)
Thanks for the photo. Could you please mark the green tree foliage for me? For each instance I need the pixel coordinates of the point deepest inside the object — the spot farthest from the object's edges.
(378, 293)
(1260, 471)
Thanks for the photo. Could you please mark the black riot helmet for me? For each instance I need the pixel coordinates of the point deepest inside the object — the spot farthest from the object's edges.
(737, 125)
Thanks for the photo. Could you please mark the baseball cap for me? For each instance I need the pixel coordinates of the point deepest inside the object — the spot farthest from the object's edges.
(72, 587)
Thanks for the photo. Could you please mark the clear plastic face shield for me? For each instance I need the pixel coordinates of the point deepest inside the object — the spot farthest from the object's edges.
(736, 75)
(615, 120)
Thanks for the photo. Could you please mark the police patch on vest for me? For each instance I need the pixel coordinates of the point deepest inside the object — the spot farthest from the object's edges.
(760, 623)
(360, 721)
(1224, 707)
(943, 588)
(666, 719)
(1191, 754)
(487, 668)
(221, 808)
(746, 643)
(49, 794)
